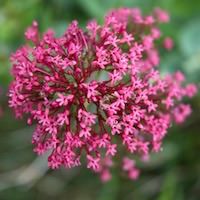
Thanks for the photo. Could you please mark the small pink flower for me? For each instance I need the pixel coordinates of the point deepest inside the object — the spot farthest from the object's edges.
(127, 38)
(128, 164)
(93, 27)
(63, 118)
(91, 90)
(85, 132)
(115, 76)
(105, 176)
(190, 90)
(93, 162)
(111, 150)
(181, 112)
(134, 174)
(179, 76)
(64, 100)
(161, 15)
(156, 146)
(168, 43)
(112, 40)
(32, 32)
(149, 20)
(155, 33)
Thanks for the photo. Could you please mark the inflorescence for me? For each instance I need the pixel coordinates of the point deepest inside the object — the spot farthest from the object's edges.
(94, 93)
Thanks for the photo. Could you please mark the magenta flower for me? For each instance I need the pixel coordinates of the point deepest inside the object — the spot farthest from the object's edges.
(168, 43)
(76, 113)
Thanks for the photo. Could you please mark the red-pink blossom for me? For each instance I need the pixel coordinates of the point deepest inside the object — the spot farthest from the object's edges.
(105, 175)
(168, 43)
(162, 16)
(58, 83)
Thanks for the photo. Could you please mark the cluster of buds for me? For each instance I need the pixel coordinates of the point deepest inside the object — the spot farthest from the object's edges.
(94, 92)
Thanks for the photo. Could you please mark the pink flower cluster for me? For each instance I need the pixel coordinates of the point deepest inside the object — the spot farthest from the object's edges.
(76, 113)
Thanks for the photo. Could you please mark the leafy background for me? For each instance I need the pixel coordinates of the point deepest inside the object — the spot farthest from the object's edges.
(172, 174)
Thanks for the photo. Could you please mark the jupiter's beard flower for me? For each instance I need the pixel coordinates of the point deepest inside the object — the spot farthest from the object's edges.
(58, 83)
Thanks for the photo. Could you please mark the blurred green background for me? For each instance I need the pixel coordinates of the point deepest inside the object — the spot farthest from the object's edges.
(173, 174)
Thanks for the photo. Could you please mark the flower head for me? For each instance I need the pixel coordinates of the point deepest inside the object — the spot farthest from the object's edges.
(55, 84)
